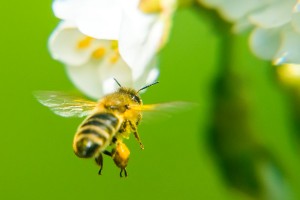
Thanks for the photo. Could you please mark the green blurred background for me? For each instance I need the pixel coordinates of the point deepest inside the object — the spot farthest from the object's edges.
(240, 142)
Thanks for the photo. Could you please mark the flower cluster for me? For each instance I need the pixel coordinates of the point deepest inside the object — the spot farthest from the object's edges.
(99, 40)
(276, 33)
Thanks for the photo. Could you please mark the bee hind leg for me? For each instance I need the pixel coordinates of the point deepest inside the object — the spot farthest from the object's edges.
(99, 161)
(107, 153)
(125, 172)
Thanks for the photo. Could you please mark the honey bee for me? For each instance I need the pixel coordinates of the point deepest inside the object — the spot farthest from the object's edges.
(108, 122)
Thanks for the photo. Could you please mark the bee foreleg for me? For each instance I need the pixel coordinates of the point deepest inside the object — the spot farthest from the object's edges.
(136, 134)
(99, 161)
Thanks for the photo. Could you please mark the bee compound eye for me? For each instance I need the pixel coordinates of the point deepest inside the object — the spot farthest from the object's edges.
(136, 99)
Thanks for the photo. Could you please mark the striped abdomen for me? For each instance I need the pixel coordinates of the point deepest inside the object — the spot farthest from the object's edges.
(95, 134)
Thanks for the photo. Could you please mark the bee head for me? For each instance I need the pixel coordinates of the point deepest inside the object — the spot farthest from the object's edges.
(134, 95)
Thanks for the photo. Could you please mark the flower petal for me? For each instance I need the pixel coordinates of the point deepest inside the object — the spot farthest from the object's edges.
(296, 17)
(289, 51)
(236, 9)
(152, 75)
(241, 25)
(95, 78)
(274, 15)
(62, 45)
(68, 45)
(212, 3)
(265, 42)
(233, 10)
(100, 19)
(66, 9)
(86, 79)
(140, 38)
(96, 18)
(149, 75)
(120, 71)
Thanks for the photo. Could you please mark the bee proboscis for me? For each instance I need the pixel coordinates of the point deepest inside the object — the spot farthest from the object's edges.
(107, 121)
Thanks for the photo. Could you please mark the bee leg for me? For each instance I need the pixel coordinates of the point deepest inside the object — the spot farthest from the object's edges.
(107, 153)
(123, 126)
(136, 135)
(99, 161)
(125, 172)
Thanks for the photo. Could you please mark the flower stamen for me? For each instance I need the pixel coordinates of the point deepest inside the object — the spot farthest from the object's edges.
(98, 53)
(114, 58)
(114, 44)
(84, 43)
(150, 6)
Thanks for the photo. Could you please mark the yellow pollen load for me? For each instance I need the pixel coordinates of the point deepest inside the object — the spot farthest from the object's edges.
(84, 43)
(98, 53)
(123, 151)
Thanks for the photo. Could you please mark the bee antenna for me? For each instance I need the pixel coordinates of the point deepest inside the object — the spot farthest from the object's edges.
(117, 82)
(147, 86)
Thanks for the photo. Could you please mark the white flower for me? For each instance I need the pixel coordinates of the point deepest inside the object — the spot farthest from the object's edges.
(96, 18)
(276, 23)
(139, 35)
(92, 64)
(236, 11)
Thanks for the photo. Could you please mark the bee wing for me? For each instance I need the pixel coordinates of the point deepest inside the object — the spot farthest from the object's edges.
(163, 110)
(64, 104)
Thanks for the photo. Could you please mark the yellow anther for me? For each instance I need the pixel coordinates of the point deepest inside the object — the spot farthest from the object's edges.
(98, 53)
(114, 58)
(84, 43)
(154, 6)
(114, 44)
(116, 50)
(150, 6)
